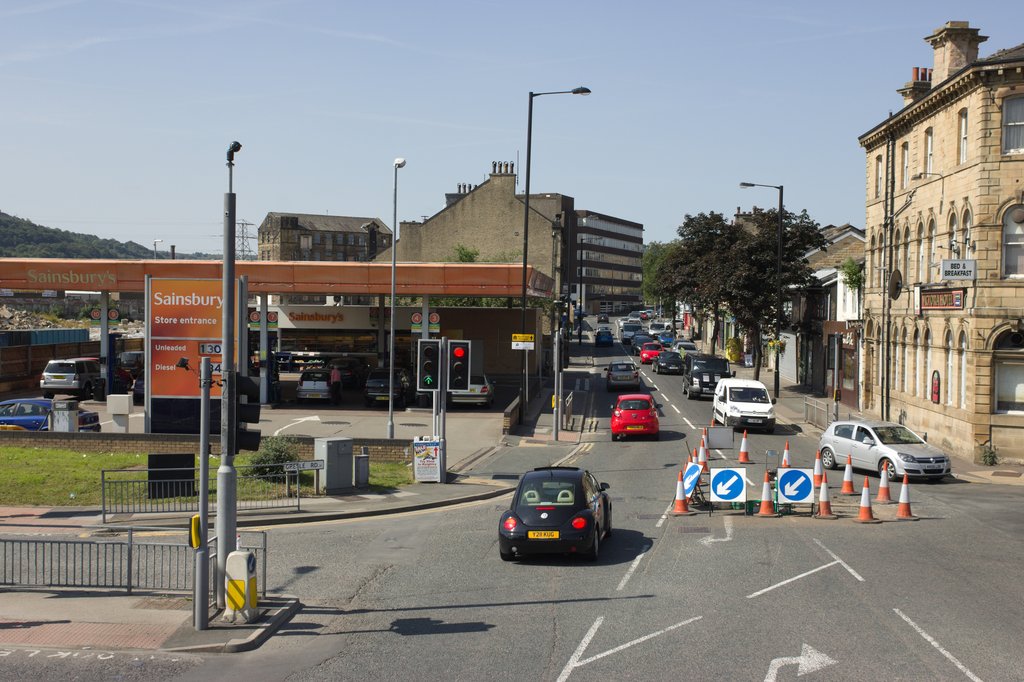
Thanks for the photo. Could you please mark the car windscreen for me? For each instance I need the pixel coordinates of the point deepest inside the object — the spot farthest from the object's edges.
(629, 327)
(652, 346)
(669, 356)
(896, 435)
(744, 394)
(719, 365)
(637, 404)
(60, 367)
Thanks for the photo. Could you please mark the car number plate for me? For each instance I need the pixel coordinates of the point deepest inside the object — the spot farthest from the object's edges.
(59, 377)
(634, 428)
(933, 467)
(542, 534)
(382, 397)
(755, 421)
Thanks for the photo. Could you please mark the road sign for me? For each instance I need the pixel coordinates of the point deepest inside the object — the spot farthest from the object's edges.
(304, 466)
(522, 337)
(728, 485)
(795, 486)
(690, 477)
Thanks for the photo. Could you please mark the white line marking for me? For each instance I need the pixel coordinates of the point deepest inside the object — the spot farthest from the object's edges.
(315, 417)
(575, 662)
(674, 408)
(655, 387)
(721, 454)
(664, 515)
(632, 567)
(689, 423)
(931, 640)
(841, 562)
(728, 533)
(786, 582)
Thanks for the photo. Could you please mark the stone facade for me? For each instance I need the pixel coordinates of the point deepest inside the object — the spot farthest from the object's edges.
(952, 163)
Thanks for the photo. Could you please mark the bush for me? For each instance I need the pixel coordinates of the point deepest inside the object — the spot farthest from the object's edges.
(274, 451)
(734, 349)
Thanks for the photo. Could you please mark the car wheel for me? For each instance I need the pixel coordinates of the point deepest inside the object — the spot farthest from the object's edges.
(86, 393)
(507, 556)
(595, 550)
(689, 395)
(770, 431)
(607, 521)
(889, 466)
(828, 458)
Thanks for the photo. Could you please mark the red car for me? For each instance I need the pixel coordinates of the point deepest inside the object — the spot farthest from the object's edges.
(635, 413)
(649, 352)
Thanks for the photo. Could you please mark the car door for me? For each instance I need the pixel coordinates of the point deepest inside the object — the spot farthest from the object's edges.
(718, 403)
(841, 441)
(863, 450)
(593, 494)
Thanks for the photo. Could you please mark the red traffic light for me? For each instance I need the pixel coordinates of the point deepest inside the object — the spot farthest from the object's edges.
(459, 351)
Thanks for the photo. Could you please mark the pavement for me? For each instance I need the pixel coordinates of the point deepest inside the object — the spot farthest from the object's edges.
(102, 620)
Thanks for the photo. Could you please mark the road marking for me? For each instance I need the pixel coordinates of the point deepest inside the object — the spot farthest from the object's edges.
(841, 562)
(664, 515)
(655, 386)
(689, 423)
(632, 567)
(314, 417)
(674, 408)
(728, 533)
(721, 454)
(809, 661)
(931, 640)
(786, 582)
(575, 662)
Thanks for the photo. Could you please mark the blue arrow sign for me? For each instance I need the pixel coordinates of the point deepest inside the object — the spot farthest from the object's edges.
(690, 477)
(728, 485)
(796, 485)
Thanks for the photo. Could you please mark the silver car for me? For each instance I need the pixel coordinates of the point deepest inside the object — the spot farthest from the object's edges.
(877, 444)
(74, 376)
(481, 391)
(622, 375)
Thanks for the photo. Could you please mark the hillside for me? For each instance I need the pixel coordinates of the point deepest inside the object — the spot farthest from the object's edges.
(20, 238)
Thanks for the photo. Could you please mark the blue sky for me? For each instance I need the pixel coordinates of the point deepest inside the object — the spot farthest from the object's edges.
(116, 115)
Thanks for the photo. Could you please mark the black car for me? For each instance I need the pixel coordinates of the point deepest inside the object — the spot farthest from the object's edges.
(668, 362)
(638, 341)
(375, 390)
(701, 373)
(556, 510)
(602, 319)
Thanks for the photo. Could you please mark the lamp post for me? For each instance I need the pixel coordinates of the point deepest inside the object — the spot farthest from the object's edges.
(526, 229)
(155, 242)
(778, 283)
(399, 163)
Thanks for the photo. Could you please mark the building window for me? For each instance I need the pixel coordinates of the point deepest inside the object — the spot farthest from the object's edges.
(949, 368)
(920, 252)
(954, 245)
(929, 141)
(962, 121)
(906, 253)
(927, 363)
(1009, 369)
(1013, 241)
(905, 162)
(918, 363)
(903, 348)
(931, 250)
(878, 177)
(965, 233)
(963, 370)
(1013, 125)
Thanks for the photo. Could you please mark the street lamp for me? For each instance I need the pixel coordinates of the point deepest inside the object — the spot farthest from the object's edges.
(778, 284)
(399, 163)
(155, 242)
(526, 229)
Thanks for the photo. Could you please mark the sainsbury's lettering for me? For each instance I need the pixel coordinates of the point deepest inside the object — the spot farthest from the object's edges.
(187, 299)
(79, 278)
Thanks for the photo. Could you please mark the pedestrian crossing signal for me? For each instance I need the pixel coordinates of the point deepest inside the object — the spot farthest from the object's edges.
(428, 364)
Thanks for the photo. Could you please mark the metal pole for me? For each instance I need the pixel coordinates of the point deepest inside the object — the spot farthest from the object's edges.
(243, 326)
(558, 382)
(399, 163)
(442, 393)
(201, 599)
(778, 312)
(526, 242)
(265, 377)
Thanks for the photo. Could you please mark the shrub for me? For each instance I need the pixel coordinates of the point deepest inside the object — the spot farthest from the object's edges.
(734, 349)
(274, 451)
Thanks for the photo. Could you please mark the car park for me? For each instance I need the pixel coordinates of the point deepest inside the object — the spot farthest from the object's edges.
(604, 337)
(619, 375)
(480, 392)
(701, 373)
(875, 445)
(649, 351)
(743, 402)
(375, 390)
(74, 376)
(635, 414)
(556, 510)
(314, 384)
(33, 414)
(668, 362)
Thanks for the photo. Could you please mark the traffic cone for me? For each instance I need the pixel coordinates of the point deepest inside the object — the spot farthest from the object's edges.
(824, 503)
(818, 471)
(903, 511)
(681, 508)
(785, 456)
(767, 508)
(883, 487)
(848, 478)
(866, 516)
(744, 455)
(702, 458)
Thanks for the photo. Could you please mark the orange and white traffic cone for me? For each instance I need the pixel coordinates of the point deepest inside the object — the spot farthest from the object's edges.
(702, 457)
(824, 502)
(767, 507)
(744, 455)
(681, 508)
(903, 511)
(785, 456)
(866, 515)
(883, 487)
(819, 472)
(848, 478)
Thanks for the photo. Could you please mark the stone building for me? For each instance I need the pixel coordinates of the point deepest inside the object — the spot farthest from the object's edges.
(945, 250)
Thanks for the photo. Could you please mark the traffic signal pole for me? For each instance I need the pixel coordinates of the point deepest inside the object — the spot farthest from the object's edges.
(227, 477)
(442, 399)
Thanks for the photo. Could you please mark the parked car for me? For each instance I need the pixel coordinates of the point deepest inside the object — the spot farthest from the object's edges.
(480, 392)
(683, 347)
(621, 375)
(701, 373)
(649, 351)
(74, 376)
(743, 402)
(637, 342)
(635, 414)
(33, 414)
(604, 337)
(314, 384)
(375, 390)
(353, 371)
(556, 510)
(668, 362)
(876, 444)
(139, 389)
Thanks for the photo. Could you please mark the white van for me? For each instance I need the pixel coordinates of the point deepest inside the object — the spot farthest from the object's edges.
(743, 402)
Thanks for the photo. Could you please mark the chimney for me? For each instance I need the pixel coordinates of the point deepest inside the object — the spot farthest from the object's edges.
(919, 85)
(955, 46)
(173, 248)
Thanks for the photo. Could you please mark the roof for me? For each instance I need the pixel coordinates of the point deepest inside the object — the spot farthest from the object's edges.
(328, 223)
(1007, 55)
(742, 383)
(635, 396)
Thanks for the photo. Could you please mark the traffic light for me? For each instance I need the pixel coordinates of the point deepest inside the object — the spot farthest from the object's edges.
(458, 365)
(247, 412)
(428, 364)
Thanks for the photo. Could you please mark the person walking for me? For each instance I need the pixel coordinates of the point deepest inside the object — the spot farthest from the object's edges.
(335, 385)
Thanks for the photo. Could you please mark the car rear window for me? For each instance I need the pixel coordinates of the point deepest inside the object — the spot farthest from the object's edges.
(621, 367)
(548, 492)
(637, 404)
(60, 367)
(477, 379)
(844, 431)
(630, 327)
(652, 346)
(315, 376)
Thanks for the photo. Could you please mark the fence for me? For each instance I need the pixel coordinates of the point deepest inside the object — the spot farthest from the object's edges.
(821, 413)
(115, 563)
(157, 491)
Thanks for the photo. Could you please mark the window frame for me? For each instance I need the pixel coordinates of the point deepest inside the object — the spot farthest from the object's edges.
(962, 126)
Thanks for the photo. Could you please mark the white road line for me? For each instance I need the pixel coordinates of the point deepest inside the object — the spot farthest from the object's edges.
(721, 454)
(574, 659)
(314, 417)
(655, 387)
(931, 640)
(728, 533)
(575, 662)
(674, 408)
(786, 582)
(632, 567)
(664, 515)
(841, 562)
(689, 423)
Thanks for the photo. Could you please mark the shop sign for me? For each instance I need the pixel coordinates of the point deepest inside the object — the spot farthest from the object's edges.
(942, 299)
(959, 270)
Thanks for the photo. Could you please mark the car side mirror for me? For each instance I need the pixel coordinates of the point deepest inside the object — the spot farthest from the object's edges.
(774, 401)
(733, 373)
(924, 436)
(604, 486)
(658, 405)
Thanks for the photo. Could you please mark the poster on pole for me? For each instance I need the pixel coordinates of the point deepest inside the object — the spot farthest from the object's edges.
(427, 459)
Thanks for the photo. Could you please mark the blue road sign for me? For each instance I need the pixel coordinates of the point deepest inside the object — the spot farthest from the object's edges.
(728, 485)
(796, 485)
(690, 477)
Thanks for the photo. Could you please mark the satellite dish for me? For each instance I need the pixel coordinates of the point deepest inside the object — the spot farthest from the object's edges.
(895, 285)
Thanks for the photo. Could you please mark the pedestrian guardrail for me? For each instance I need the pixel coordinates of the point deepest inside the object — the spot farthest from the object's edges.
(567, 412)
(821, 413)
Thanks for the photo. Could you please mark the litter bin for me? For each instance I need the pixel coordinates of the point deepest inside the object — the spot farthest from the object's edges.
(363, 468)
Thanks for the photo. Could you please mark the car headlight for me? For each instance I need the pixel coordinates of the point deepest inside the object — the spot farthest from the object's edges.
(905, 457)
(734, 411)
(771, 413)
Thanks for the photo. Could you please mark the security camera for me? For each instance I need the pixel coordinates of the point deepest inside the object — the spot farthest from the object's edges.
(235, 147)
(399, 163)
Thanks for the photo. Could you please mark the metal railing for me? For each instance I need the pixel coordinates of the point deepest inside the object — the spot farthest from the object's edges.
(567, 412)
(821, 413)
(160, 491)
(152, 564)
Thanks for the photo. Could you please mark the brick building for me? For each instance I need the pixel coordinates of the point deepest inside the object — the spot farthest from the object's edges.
(944, 186)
